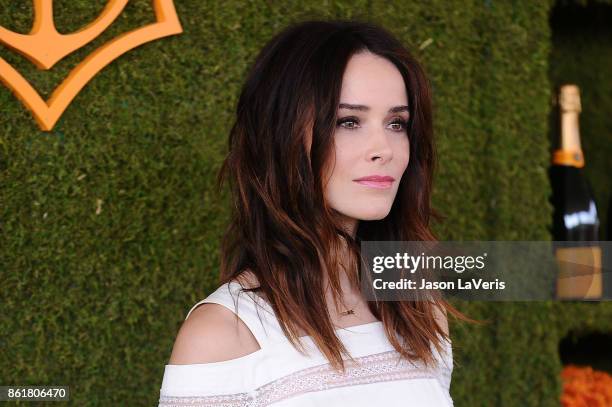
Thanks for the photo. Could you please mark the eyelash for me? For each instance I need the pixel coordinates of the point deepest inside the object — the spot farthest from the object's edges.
(340, 123)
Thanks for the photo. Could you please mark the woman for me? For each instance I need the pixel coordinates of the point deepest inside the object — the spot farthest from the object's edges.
(326, 108)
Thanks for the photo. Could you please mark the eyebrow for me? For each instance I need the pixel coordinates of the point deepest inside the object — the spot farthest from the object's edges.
(395, 109)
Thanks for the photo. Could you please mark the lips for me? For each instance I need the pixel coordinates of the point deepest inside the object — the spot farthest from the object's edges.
(376, 181)
(376, 184)
(376, 178)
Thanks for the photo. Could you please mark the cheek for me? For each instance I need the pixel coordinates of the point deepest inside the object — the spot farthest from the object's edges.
(406, 159)
(346, 155)
(402, 152)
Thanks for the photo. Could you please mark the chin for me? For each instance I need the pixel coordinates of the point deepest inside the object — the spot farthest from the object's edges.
(373, 214)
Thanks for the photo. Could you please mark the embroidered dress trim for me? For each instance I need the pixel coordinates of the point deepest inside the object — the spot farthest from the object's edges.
(380, 367)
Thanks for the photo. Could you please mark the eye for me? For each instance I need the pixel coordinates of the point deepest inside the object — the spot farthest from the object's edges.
(403, 125)
(352, 121)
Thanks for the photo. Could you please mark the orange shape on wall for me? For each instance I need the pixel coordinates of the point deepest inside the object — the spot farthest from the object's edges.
(44, 46)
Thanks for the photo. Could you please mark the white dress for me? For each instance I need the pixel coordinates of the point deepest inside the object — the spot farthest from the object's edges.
(278, 375)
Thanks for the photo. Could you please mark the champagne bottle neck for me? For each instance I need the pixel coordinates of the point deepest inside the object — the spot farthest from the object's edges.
(570, 150)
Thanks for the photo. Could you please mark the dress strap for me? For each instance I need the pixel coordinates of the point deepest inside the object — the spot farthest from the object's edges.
(254, 311)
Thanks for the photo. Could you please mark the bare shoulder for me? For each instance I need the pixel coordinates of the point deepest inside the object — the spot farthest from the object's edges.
(440, 316)
(212, 333)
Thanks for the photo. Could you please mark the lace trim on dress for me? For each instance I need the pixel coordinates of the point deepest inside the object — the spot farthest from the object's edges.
(380, 367)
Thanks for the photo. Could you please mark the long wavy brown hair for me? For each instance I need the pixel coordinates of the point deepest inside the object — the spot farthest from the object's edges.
(281, 147)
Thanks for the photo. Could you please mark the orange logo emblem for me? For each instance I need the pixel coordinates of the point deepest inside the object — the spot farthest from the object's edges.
(44, 46)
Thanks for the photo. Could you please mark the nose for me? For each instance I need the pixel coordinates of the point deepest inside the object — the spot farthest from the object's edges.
(379, 147)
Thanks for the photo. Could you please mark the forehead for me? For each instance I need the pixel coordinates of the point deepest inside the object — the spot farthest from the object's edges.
(374, 81)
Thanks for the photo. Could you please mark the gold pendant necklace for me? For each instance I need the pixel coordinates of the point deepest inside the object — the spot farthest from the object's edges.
(348, 312)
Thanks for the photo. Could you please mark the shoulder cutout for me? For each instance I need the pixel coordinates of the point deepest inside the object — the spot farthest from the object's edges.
(212, 333)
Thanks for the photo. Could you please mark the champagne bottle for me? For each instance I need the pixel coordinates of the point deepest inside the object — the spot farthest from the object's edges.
(575, 216)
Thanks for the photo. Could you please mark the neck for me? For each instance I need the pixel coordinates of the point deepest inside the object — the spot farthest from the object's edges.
(348, 293)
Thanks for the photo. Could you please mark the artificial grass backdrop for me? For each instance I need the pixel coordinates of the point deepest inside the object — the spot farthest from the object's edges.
(110, 227)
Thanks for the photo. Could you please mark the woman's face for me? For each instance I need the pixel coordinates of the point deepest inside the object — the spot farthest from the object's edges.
(371, 140)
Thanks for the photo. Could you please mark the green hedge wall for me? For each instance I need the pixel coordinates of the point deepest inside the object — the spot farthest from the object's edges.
(109, 224)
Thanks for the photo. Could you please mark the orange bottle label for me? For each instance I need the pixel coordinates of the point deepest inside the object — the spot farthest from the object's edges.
(568, 157)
